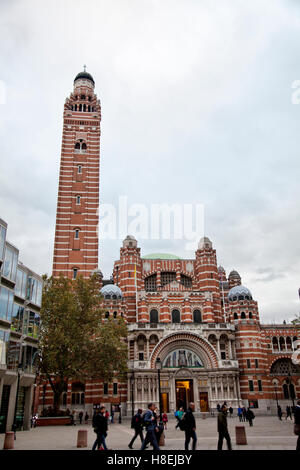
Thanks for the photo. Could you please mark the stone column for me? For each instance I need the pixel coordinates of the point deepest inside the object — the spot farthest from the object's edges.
(143, 398)
(235, 387)
(148, 356)
(218, 348)
(27, 407)
(230, 349)
(222, 388)
(135, 350)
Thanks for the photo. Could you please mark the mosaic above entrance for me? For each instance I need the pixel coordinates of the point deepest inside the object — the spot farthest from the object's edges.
(182, 358)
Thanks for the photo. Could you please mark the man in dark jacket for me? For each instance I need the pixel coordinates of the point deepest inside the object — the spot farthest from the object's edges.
(100, 428)
(190, 427)
(250, 416)
(223, 429)
(137, 425)
(151, 428)
(297, 423)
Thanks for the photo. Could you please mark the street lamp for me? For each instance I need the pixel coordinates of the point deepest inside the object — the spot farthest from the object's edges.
(132, 393)
(20, 370)
(120, 407)
(158, 366)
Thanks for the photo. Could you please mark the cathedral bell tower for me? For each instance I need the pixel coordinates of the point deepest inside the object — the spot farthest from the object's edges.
(76, 231)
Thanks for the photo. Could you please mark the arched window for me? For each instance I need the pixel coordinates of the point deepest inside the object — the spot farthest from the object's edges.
(89, 108)
(197, 317)
(286, 391)
(243, 316)
(75, 272)
(282, 343)
(150, 283)
(288, 343)
(250, 315)
(153, 316)
(84, 147)
(106, 314)
(175, 316)
(115, 314)
(76, 232)
(80, 107)
(186, 281)
(80, 146)
(77, 396)
(78, 200)
(84, 107)
(167, 277)
(79, 169)
(275, 342)
(235, 316)
(77, 146)
(75, 107)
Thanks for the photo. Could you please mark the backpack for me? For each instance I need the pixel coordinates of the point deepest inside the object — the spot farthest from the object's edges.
(182, 425)
(176, 414)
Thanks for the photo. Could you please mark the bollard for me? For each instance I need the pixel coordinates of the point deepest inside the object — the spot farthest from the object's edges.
(240, 435)
(82, 438)
(162, 439)
(203, 416)
(9, 442)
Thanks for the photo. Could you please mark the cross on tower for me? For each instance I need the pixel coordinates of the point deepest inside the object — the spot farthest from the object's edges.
(84, 67)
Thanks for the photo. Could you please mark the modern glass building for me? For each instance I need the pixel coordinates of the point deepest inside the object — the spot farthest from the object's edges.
(20, 302)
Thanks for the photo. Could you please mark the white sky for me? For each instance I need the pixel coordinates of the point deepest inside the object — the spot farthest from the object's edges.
(196, 108)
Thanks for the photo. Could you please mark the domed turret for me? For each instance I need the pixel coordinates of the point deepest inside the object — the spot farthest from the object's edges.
(84, 76)
(234, 279)
(111, 291)
(204, 243)
(239, 293)
(129, 242)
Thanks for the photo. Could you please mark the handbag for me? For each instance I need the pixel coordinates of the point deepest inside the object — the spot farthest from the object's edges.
(297, 429)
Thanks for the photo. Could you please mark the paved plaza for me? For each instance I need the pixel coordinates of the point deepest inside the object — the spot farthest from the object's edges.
(267, 433)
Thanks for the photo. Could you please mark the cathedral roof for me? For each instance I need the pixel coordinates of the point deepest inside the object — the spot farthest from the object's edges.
(161, 256)
(239, 293)
(110, 290)
(84, 76)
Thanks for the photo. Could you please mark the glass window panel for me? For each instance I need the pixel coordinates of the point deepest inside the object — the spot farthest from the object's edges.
(25, 322)
(30, 324)
(2, 240)
(6, 303)
(36, 328)
(39, 293)
(4, 340)
(17, 318)
(13, 355)
(182, 358)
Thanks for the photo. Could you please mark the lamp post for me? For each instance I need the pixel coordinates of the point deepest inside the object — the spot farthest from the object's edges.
(20, 369)
(132, 393)
(120, 407)
(158, 366)
(275, 387)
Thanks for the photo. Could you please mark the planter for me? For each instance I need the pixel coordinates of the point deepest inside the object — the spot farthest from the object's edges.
(53, 421)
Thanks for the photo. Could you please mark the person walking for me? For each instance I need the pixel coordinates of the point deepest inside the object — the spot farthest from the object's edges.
(86, 418)
(112, 414)
(137, 425)
(244, 411)
(223, 428)
(288, 413)
(250, 416)
(190, 427)
(165, 420)
(151, 428)
(179, 416)
(297, 424)
(218, 407)
(240, 414)
(100, 428)
(279, 412)
(230, 411)
(80, 415)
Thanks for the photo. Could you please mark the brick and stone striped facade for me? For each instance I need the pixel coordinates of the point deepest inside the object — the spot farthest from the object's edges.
(174, 308)
(76, 232)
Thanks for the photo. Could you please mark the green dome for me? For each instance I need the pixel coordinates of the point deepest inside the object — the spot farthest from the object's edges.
(161, 256)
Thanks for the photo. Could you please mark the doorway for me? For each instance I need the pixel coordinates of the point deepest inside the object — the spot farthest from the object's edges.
(165, 402)
(184, 393)
(204, 408)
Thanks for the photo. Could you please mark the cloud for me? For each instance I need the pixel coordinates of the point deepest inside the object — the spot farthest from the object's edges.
(196, 108)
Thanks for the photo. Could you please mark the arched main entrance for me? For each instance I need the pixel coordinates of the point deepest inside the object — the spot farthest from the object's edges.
(187, 360)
